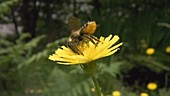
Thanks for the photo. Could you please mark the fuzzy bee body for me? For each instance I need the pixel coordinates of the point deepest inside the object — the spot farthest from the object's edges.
(80, 34)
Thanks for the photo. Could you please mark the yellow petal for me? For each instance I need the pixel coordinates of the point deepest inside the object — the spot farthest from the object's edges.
(105, 47)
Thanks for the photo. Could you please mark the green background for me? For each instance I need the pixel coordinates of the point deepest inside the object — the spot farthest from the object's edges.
(40, 27)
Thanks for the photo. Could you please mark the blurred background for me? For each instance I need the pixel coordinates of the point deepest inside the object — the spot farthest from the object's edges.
(31, 30)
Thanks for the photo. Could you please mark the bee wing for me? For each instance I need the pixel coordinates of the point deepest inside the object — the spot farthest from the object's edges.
(74, 23)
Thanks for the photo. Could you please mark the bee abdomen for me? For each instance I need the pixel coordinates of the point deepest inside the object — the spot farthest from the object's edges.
(89, 28)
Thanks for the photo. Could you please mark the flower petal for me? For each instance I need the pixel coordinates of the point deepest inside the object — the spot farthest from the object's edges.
(65, 55)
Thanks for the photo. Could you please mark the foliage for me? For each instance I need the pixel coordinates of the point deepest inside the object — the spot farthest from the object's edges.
(138, 24)
(26, 71)
(5, 6)
(12, 54)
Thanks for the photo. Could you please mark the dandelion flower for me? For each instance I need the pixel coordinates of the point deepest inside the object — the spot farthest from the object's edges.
(167, 49)
(91, 52)
(144, 94)
(150, 51)
(152, 86)
(116, 93)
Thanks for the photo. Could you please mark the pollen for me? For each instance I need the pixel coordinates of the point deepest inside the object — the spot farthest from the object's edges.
(90, 28)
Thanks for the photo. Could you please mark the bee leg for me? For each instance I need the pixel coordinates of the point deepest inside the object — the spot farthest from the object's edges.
(95, 38)
(85, 40)
(73, 47)
(88, 37)
(91, 39)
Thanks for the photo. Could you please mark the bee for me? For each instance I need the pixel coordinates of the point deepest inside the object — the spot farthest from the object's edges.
(81, 34)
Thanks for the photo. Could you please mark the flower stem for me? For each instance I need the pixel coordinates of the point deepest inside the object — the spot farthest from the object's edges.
(97, 87)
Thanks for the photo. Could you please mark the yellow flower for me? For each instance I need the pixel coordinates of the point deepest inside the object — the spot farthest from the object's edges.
(90, 52)
(144, 94)
(116, 93)
(167, 49)
(150, 51)
(152, 86)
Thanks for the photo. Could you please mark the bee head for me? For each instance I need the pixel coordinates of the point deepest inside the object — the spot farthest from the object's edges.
(89, 28)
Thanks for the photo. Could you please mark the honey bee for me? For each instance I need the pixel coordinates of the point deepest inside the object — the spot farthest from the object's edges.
(80, 34)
